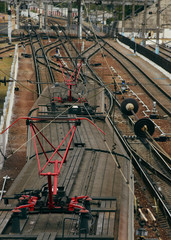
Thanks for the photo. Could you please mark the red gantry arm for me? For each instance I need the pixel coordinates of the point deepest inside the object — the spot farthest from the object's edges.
(57, 163)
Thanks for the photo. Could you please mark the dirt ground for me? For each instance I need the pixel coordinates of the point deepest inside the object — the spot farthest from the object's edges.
(24, 99)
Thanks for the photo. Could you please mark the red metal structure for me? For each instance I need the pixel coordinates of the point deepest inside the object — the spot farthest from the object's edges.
(58, 162)
(72, 81)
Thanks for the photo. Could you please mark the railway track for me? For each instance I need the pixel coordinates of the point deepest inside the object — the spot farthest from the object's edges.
(86, 175)
(94, 49)
(97, 50)
(165, 53)
(168, 168)
(12, 46)
(72, 187)
(152, 90)
(161, 96)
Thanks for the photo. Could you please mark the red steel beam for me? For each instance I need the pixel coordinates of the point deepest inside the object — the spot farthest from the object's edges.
(57, 169)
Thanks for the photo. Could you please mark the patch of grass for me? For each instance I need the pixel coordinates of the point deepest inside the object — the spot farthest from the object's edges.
(5, 69)
(5, 65)
(3, 92)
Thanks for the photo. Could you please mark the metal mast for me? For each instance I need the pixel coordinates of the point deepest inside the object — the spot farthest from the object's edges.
(157, 27)
(79, 19)
(144, 22)
(133, 16)
(123, 17)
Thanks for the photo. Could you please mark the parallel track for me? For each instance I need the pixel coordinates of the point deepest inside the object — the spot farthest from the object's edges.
(87, 185)
(165, 53)
(167, 98)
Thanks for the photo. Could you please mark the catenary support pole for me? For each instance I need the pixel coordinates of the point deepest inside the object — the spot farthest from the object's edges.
(9, 23)
(45, 19)
(123, 17)
(133, 19)
(17, 17)
(144, 23)
(79, 19)
(157, 27)
(69, 16)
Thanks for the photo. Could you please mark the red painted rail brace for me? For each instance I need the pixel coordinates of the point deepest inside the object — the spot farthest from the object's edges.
(57, 163)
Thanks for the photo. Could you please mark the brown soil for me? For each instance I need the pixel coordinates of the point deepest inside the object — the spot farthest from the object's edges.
(24, 99)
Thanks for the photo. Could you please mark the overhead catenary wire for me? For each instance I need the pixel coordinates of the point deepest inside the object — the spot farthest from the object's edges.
(117, 164)
(101, 48)
(19, 82)
(114, 76)
(109, 149)
(124, 178)
(7, 157)
(105, 141)
(41, 130)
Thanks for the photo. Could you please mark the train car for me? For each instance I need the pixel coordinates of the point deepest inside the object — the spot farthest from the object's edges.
(67, 189)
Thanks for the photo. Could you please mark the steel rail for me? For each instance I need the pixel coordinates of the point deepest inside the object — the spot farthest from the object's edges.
(39, 87)
(142, 86)
(135, 161)
(58, 237)
(136, 158)
(161, 52)
(151, 168)
(95, 77)
(98, 80)
(55, 29)
(73, 46)
(158, 154)
(12, 47)
(162, 91)
(46, 60)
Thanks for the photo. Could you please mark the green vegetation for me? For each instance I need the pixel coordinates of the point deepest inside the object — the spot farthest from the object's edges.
(117, 9)
(3, 91)
(109, 20)
(5, 69)
(3, 7)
